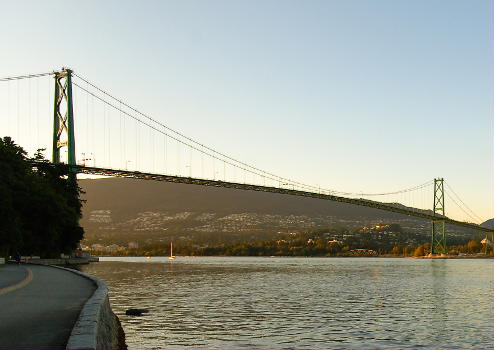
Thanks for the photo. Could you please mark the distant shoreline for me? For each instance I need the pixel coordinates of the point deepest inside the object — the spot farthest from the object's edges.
(313, 256)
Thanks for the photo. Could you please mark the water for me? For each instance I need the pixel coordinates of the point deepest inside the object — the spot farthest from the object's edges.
(302, 303)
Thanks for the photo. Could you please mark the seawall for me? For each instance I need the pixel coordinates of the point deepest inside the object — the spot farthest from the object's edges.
(97, 327)
(60, 261)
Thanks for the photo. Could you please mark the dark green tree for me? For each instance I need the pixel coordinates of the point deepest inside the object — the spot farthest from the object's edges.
(40, 204)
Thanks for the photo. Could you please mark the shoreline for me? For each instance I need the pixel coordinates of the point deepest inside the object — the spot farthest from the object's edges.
(313, 256)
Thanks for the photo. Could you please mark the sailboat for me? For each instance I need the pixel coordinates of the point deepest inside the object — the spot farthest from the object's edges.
(171, 257)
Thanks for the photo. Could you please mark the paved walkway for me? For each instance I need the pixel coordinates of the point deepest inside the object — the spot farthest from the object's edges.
(39, 306)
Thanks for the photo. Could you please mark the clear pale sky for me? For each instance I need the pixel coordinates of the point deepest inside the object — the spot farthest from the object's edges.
(353, 95)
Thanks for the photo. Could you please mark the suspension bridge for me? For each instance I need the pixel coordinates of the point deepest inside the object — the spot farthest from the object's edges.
(116, 139)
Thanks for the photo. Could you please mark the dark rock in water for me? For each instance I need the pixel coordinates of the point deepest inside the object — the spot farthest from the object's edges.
(136, 312)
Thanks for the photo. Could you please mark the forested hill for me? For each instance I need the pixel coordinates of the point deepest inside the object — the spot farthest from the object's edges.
(488, 223)
(121, 210)
(126, 197)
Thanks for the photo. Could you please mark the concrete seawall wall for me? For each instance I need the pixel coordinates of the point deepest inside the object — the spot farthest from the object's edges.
(57, 262)
(97, 327)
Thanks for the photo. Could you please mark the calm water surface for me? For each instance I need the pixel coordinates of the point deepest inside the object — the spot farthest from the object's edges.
(302, 303)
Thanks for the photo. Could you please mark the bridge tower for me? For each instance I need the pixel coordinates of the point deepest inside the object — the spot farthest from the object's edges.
(63, 117)
(438, 244)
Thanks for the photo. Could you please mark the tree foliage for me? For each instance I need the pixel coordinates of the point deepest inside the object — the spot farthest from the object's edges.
(336, 242)
(40, 204)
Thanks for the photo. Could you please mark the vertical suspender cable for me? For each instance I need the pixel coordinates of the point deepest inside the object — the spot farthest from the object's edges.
(178, 159)
(151, 140)
(137, 145)
(9, 132)
(87, 127)
(18, 115)
(37, 112)
(93, 146)
(50, 112)
(165, 151)
(120, 136)
(104, 135)
(124, 140)
(190, 162)
(30, 127)
(109, 137)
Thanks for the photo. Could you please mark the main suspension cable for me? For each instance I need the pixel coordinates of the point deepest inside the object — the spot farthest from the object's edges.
(27, 76)
(418, 187)
(160, 131)
(276, 177)
(466, 206)
(475, 220)
(244, 166)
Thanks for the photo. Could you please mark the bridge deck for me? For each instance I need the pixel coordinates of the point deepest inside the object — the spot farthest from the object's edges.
(217, 183)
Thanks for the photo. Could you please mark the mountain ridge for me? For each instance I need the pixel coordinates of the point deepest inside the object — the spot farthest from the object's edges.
(123, 210)
(124, 195)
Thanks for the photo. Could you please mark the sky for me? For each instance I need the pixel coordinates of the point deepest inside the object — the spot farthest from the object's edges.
(359, 96)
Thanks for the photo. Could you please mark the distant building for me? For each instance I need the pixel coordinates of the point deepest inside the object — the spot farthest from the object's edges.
(114, 248)
(97, 247)
(103, 216)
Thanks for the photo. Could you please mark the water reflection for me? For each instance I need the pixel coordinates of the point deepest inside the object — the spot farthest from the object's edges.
(299, 303)
(440, 291)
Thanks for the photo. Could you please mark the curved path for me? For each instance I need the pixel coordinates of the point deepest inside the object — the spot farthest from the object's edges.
(39, 306)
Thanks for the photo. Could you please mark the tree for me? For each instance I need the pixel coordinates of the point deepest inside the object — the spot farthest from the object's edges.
(474, 246)
(12, 185)
(397, 250)
(40, 204)
(420, 251)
